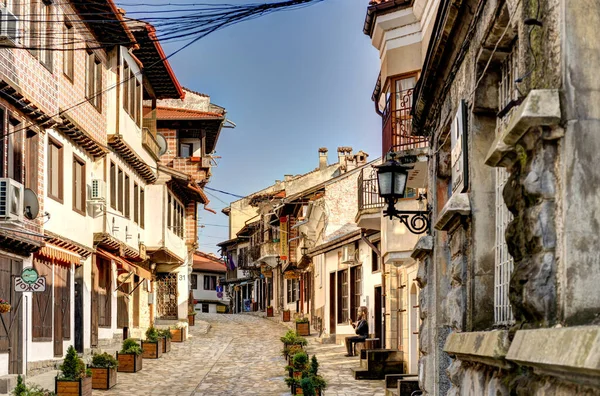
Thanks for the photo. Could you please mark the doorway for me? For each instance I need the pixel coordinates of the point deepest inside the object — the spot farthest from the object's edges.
(79, 308)
(377, 315)
(414, 328)
(11, 330)
(332, 299)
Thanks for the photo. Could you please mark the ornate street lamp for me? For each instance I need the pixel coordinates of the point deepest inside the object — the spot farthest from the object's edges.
(391, 179)
(304, 251)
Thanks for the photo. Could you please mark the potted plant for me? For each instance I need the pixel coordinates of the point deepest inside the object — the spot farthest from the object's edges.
(178, 333)
(29, 390)
(269, 311)
(73, 379)
(152, 346)
(297, 372)
(286, 315)
(104, 371)
(4, 306)
(165, 334)
(130, 357)
(313, 384)
(291, 351)
(192, 316)
(302, 327)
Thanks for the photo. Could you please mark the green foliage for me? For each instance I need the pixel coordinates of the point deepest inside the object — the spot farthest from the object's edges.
(165, 333)
(294, 349)
(314, 366)
(33, 390)
(301, 320)
(20, 389)
(73, 367)
(152, 334)
(291, 381)
(104, 360)
(300, 360)
(319, 382)
(300, 341)
(308, 388)
(131, 346)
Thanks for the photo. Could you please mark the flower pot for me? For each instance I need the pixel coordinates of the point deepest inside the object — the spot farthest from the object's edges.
(80, 387)
(178, 335)
(269, 312)
(303, 329)
(191, 320)
(286, 316)
(152, 350)
(166, 344)
(103, 377)
(129, 362)
(297, 375)
(4, 308)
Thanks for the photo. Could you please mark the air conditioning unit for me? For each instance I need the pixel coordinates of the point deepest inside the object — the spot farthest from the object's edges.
(348, 255)
(9, 28)
(11, 200)
(98, 192)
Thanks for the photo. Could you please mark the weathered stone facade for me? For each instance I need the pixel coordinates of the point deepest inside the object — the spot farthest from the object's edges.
(545, 137)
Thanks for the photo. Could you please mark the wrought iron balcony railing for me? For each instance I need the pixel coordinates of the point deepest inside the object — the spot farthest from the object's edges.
(397, 124)
(368, 193)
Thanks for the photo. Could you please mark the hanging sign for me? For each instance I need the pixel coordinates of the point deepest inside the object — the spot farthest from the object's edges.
(291, 275)
(458, 146)
(30, 281)
(283, 240)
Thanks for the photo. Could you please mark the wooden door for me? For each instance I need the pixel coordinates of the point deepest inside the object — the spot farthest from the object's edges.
(62, 307)
(378, 329)
(123, 306)
(332, 300)
(136, 301)
(79, 308)
(94, 307)
(11, 330)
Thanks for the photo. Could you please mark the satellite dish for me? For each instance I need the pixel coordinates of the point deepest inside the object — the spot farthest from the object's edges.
(31, 204)
(162, 144)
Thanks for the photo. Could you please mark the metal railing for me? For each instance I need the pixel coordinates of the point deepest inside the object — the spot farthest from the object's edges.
(368, 193)
(397, 124)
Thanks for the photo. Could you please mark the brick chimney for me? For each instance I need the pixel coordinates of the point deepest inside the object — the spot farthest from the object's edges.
(323, 158)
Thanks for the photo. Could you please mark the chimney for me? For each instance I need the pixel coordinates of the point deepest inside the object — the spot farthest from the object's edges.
(288, 177)
(323, 158)
(341, 155)
(361, 158)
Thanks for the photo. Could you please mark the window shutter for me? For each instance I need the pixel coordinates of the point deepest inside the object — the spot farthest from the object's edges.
(42, 304)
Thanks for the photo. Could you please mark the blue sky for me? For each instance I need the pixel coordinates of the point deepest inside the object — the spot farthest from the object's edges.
(292, 82)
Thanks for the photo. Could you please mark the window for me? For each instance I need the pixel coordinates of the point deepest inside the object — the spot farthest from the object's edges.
(138, 102)
(293, 290)
(342, 296)
(120, 190)
(194, 282)
(113, 185)
(69, 53)
(46, 15)
(55, 170)
(186, 150)
(132, 94)
(127, 197)
(210, 282)
(93, 89)
(31, 160)
(503, 260)
(375, 262)
(136, 203)
(104, 291)
(126, 76)
(356, 290)
(15, 150)
(175, 215)
(79, 186)
(142, 211)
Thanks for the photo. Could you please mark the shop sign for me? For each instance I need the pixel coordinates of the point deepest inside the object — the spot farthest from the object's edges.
(291, 275)
(30, 281)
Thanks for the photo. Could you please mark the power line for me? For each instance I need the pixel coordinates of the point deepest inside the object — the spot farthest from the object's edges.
(224, 192)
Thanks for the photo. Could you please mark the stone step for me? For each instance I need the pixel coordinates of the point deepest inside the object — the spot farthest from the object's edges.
(378, 370)
(391, 380)
(407, 386)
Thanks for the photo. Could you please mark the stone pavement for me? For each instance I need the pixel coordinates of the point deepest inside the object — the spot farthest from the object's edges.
(239, 355)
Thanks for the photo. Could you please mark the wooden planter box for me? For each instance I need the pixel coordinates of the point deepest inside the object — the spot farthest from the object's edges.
(103, 378)
(269, 312)
(129, 362)
(152, 350)
(81, 387)
(178, 335)
(303, 329)
(191, 320)
(286, 316)
(166, 344)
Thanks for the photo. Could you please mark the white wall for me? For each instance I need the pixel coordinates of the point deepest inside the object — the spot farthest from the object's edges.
(201, 294)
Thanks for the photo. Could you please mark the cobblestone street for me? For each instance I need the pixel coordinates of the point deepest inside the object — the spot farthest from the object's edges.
(239, 355)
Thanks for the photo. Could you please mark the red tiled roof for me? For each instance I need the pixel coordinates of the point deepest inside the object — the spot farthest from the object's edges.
(170, 113)
(206, 262)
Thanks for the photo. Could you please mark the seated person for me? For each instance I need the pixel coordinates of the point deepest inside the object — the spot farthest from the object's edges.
(362, 330)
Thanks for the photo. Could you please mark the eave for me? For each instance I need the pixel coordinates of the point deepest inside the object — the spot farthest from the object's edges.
(383, 7)
(68, 244)
(106, 21)
(81, 138)
(22, 245)
(14, 95)
(129, 155)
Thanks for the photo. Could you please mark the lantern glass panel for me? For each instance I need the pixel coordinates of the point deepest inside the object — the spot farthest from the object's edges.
(400, 178)
(384, 177)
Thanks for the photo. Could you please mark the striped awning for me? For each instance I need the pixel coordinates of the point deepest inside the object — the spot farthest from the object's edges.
(126, 265)
(58, 255)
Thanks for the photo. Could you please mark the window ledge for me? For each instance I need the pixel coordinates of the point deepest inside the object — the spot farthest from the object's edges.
(423, 248)
(571, 353)
(487, 347)
(540, 108)
(458, 206)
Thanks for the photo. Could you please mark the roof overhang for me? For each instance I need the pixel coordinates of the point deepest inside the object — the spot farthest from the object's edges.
(126, 265)
(68, 244)
(381, 6)
(106, 21)
(163, 255)
(130, 156)
(80, 137)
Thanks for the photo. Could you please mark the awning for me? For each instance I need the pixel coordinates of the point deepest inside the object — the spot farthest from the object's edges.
(126, 265)
(62, 256)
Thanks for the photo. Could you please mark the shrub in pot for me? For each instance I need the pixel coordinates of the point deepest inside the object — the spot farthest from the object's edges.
(104, 371)
(130, 357)
(166, 336)
(74, 378)
(152, 346)
(29, 390)
(178, 333)
(286, 315)
(270, 311)
(302, 327)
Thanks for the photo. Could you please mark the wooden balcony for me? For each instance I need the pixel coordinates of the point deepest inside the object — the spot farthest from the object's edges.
(149, 142)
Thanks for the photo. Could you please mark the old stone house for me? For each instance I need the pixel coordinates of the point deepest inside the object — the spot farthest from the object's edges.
(507, 98)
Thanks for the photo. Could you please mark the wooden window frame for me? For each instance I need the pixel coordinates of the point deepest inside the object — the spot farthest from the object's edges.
(61, 170)
(142, 207)
(69, 53)
(120, 182)
(113, 185)
(375, 260)
(79, 161)
(136, 203)
(105, 273)
(126, 75)
(32, 143)
(127, 197)
(93, 78)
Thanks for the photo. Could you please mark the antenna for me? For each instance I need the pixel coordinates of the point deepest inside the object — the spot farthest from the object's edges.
(31, 204)
(162, 144)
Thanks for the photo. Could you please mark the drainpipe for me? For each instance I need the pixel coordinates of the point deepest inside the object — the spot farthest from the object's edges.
(383, 285)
